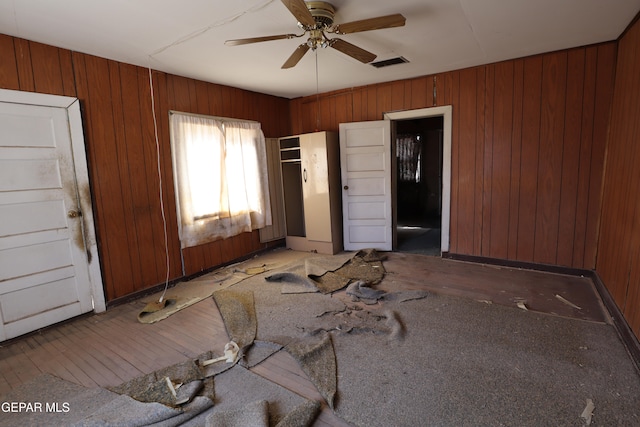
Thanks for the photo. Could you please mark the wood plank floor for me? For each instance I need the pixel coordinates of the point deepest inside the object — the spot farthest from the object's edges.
(110, 348)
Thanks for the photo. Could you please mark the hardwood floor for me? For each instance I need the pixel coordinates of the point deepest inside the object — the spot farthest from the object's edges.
(110, 348)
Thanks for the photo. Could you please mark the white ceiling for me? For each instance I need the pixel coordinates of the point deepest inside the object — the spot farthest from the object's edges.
(187, 37)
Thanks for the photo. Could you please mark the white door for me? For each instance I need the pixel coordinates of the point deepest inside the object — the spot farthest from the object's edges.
(44, 266)
(365, 161)
(315, 186)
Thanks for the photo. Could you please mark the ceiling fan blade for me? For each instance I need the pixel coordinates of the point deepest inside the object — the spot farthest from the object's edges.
(296, 56)
(379, 23)
(353, 51)
(259, 39)
(298, 8)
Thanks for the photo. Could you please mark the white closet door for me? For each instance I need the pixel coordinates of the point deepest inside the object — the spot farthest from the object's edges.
(315, 187)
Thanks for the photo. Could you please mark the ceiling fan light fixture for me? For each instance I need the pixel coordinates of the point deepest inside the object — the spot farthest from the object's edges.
(317, 39)
(316, 18)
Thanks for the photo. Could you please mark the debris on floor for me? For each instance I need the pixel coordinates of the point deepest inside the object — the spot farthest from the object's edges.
(567, 302)
(587, 413)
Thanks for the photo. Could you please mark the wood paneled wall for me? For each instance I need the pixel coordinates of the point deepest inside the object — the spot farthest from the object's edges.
(527, 158)
(528, 148)
(121, 151)
(618, 263)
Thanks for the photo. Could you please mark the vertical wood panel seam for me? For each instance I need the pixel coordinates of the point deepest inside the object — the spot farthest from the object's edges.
(600, 191)
(573, 249)
(604, 161)
(103, 243)
(18, 51)
(517, 239)
(456, 144)
(590, 166)
(119, 168)
(127, 174)
(535, 222)
(60, 71)
(480, 99)
(509, 213)
(15, 60)
(517, 229)
(154, 235)
(564, 127)
(492, 140)
(489, 138)
(75, 83)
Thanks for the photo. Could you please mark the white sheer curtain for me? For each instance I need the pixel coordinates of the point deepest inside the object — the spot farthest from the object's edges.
(220, 175)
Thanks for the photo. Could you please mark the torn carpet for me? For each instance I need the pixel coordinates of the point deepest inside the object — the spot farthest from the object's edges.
(187, 293)
(239, 387)
(82, 406)
(317, 359)
(238, 312)
(329, 274)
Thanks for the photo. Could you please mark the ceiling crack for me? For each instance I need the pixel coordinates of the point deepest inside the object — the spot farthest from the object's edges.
(217, 24)
(470, 24)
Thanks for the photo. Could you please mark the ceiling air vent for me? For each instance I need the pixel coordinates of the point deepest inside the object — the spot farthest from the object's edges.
(388, 62)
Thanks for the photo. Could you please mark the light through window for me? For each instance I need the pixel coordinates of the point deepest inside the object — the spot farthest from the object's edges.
(220, 177)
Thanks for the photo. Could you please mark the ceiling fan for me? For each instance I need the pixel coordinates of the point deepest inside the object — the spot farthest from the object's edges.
(316, 19)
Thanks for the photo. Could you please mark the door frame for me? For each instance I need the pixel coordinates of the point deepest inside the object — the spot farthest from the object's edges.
(446, 112)
(76, 133)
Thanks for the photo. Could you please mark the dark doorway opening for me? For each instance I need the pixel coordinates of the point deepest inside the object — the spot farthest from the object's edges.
(418, 177)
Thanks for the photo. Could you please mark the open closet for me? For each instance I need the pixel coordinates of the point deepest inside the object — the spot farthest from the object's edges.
(310, 167)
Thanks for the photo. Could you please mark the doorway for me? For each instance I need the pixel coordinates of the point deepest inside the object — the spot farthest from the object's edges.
(418, 185)
(422, 195)
(368, 168)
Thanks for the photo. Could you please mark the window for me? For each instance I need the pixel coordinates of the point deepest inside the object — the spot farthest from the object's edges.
(409, 154)
(220, 177)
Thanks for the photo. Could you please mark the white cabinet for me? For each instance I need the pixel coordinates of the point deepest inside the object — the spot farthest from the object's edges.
(310, 166)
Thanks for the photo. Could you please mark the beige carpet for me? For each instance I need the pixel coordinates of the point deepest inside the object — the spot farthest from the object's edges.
(451, 361)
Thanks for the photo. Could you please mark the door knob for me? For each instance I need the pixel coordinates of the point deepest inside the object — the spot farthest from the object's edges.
(346, 187)
(74, 214)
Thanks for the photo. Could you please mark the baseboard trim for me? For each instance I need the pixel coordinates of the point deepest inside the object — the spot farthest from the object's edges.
(519, 264)
(160, 287)
(619, 322)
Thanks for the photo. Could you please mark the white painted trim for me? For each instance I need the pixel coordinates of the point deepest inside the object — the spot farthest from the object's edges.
(32, 98)
(72, 105)
(447, 113)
